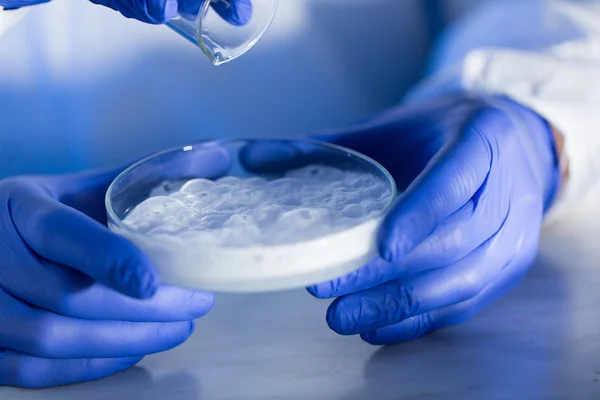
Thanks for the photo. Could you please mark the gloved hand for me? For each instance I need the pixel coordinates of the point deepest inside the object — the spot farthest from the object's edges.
(77, 302)
(236, 12)
(478, 175)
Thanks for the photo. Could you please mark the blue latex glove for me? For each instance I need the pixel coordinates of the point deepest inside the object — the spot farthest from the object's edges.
(478, 175)
(236, 12)
(78, 303)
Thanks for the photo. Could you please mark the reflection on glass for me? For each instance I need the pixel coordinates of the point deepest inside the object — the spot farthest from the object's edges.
(224, 29)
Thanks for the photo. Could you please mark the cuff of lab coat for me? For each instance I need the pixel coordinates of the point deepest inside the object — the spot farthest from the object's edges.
(9, 18)
(566, 94)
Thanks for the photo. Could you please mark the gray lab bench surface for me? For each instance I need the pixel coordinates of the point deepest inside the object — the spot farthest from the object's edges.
(540, 342)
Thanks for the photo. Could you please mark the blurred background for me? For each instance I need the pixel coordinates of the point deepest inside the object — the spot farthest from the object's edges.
(82, 87)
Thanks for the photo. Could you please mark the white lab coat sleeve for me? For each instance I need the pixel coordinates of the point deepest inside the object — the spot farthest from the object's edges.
(8, 18)
(545, 54)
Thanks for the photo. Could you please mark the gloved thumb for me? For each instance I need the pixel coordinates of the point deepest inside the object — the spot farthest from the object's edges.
(278, 156)
(236, 12)
(67, 237)
(83, 191)
(271, 156)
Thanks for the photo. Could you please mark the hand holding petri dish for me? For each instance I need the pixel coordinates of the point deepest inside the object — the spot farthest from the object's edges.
(223, 29)
(252, 215)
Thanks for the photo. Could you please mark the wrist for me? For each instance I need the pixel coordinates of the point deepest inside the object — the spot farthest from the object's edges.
(545, 151)
(559, 141)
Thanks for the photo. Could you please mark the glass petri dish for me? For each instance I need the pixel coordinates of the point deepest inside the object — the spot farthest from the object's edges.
(223, 41)
(274, 257)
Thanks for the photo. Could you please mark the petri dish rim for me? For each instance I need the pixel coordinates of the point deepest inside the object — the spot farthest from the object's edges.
(114, 219)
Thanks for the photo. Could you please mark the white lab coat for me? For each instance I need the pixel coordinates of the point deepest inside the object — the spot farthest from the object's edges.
(81, 86)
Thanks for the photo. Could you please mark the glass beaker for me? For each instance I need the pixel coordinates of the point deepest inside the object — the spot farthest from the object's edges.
(222, 40)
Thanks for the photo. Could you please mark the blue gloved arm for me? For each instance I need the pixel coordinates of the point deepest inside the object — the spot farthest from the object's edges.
(477, 175)
(77, 302)
(542, 54)
(236, 12)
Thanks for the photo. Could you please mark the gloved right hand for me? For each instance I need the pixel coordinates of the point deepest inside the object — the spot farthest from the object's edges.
(236, 12)
(78, 303)
(476, 175)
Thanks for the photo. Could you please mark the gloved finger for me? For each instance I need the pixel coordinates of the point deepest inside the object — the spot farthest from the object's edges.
(447, 184)
(422, 324)
(451, 241)
(404, 140)
(68, 237)
(278, 156)
(512, 248)
(236, 12)
(270, 156)
(371, 275)
(44, 334)
(149, 11)
(28, 372)
(71, 294)
(400, 299)
(463, 231)
(82, 191)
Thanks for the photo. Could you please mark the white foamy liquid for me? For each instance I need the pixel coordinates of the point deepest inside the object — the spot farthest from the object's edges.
(249, 234)
(307, 203)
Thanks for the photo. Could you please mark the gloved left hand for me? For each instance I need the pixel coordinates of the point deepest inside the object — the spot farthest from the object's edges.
(478, 175)
(236, 12)
(77, 302)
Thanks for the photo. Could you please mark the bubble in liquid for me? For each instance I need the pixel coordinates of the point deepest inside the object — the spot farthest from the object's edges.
(238, 236)
(213, 221)
(302, 218)
(298, 225)
(168, 229)
(196, 186)
(221, 189)
(230, 180)
(267, 215)
(290, 201)
(276, 188)
(165, 189)
(362, 182)
(255, 182)
(317, 172)
(354, 211)
(156, 206)
(187, 199)
(247, 197)
(378, 193)
(152, 212)
(239, 220)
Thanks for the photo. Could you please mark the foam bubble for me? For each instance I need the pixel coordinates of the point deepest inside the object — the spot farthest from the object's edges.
(197, 186)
